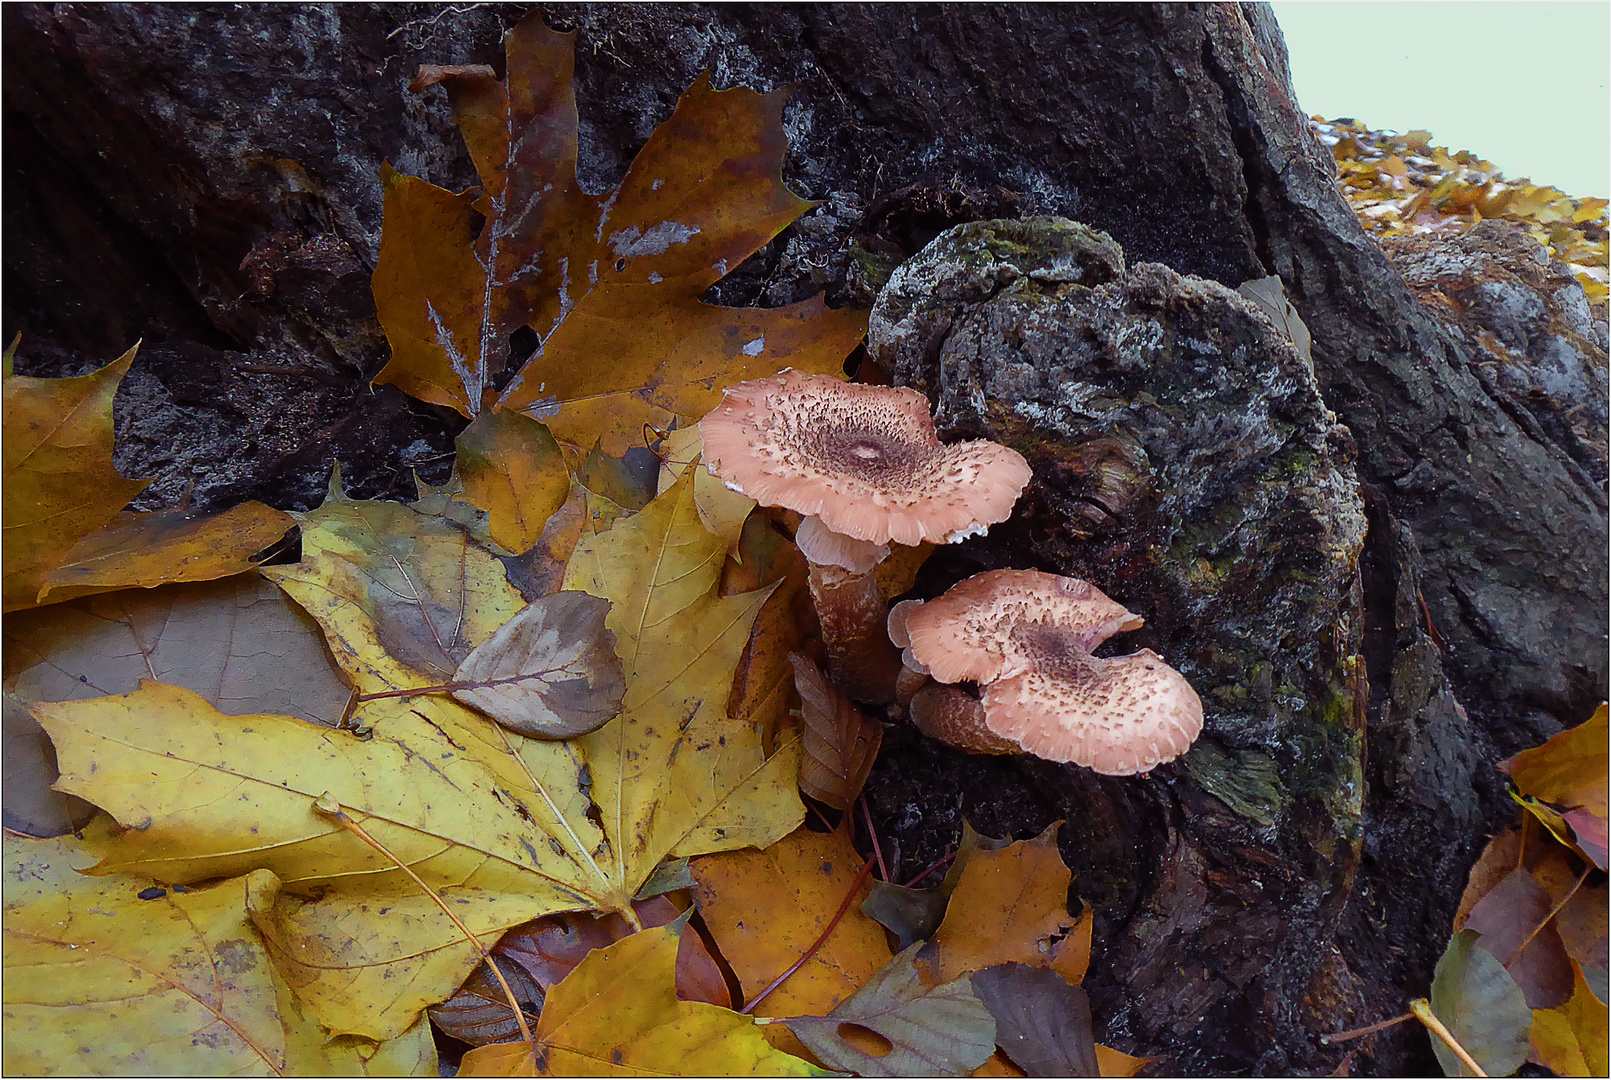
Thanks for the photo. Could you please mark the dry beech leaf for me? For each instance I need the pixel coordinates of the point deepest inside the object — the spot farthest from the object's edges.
(143, 550)
(1482, 1007)
(840, 740)
(922, 1031)
(764, 909)
(536, 956)
(1043, 1022)
(550, 672)
(511, 467)
(617, 275)
(113, 975)
(1515, 911)
(763, 688)
(1010, 905)
(617, 1014)
(59, 482)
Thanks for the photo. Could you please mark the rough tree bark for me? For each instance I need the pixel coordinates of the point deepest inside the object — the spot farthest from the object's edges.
(205, 179)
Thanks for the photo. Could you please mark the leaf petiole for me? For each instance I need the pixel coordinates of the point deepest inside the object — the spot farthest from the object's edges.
(850, 894)
(1422, 1008)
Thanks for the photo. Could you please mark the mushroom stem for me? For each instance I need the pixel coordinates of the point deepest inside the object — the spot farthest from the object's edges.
(853, 614)
(946, 712)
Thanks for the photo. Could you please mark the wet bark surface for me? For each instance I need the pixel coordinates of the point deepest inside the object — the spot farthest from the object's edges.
(205, 179)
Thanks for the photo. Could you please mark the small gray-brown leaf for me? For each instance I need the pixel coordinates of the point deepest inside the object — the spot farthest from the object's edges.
(1043, 1022)
(943, 1031)
(840, 740)
(550, 672)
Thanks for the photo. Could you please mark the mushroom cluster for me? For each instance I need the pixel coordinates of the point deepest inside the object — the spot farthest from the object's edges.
(864, 464)
(1027, 638)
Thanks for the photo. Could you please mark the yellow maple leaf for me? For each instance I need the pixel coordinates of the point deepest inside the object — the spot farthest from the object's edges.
(617, 275)
(617, 1014)
(113, 975)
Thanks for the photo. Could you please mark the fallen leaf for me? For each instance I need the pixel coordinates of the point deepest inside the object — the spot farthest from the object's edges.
(143, 550)
(1571, 1040)
(113, 975)
(840, 740)
(1517, 910)
(511, 467)
(1570, 769)
(1009, 905)
(922, 1031)
(617, 275)
(673, 775)
(1501, 856)
(763, 692)
(1043, 1022)
(1582, 926)
(550, 672)
(536, 956)
(764, 909)
(722, 509)
(1482, 1007)
(896, 574)
(616, 1014)
(59, 481)
(32, 806)
(912, 915)
(237, 642)
(1115, 1063)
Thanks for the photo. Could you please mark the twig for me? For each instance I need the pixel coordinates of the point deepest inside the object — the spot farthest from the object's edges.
(329, 807)
(855, 886)
(867, 814)
(1422, 1008)
(1360, 1033)
(943, 860)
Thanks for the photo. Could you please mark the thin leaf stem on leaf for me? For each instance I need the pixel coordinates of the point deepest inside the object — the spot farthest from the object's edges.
(1422, 1008)
(944, 860)
(330, 808)
(1361, 1032)
(850, 894)
(878, 854)
(1554, 911)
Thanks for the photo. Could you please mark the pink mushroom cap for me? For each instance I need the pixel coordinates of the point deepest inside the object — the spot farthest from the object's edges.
(864, 459)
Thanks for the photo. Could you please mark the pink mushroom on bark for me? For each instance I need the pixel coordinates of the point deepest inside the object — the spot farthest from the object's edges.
(864, 464)
(1027, 638)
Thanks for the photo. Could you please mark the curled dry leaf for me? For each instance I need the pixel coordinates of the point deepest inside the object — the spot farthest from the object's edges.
(550, 672)
(536, 956)
(617, 275)
(59, 482)
(923, 1031)
(840, 740)
(1043, 1022)
(617, 1014)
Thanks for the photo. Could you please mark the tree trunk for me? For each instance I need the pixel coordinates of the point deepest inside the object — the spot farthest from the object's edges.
(206, 179)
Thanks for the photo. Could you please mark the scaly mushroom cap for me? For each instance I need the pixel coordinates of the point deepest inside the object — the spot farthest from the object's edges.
(865, 459)
(992, 625)
(1119, 716)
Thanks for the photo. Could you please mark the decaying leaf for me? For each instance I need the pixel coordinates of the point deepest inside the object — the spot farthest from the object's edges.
(59, 482)
(1043, 1023)
(237, 642)
(912, 915)
(550, 672)
(922, 1031)
(142, 550)
(1515, 911)
(511, 467)
(115, 975)
(840, 740)
(536, 956)
(1482, 1007)
(617, 1014)
(764, 909)
(617, 275)
(1010, 905)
